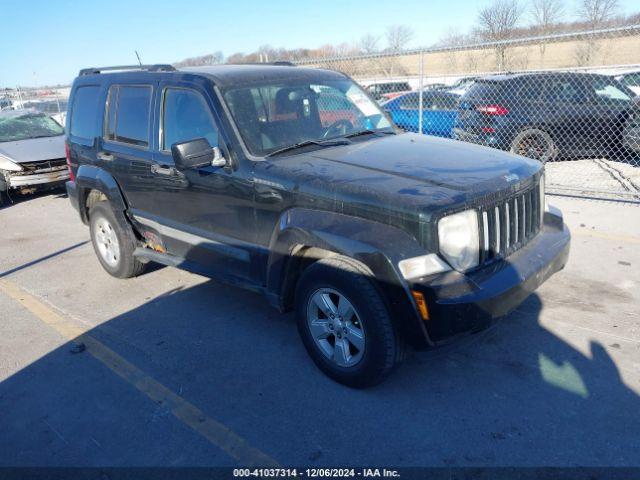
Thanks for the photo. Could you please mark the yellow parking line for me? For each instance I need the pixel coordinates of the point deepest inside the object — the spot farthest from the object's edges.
(215, 432)
(606, 236)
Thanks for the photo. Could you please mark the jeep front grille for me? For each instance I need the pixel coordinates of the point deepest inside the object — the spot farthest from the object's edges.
(509, 225)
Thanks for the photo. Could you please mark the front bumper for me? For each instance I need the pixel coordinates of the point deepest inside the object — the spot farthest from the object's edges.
(19, 180)
(469, 302)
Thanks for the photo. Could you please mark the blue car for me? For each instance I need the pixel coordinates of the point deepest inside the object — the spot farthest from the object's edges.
(439, 112)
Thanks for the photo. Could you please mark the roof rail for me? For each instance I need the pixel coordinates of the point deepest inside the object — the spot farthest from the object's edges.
(159, 67)
(279, 63)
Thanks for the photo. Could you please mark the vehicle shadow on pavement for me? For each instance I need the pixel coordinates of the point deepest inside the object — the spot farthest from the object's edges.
(515, 394)
(58, 193)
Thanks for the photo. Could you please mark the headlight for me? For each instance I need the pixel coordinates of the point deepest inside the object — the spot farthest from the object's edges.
(7, 164)
(459, 239)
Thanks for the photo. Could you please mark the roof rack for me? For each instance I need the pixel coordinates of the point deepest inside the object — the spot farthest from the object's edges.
(159, 67)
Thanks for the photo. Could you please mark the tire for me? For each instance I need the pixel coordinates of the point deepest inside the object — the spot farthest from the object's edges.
(4, 199)
(113, 241)
(382, 348)
(535, 144)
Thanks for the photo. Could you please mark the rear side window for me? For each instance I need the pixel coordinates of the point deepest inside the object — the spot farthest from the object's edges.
(128, 112)
(531, 89)
(483, 90)
(83, 112)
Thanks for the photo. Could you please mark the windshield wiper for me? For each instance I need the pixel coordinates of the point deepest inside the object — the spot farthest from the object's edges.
(368, 132)
(320, 143)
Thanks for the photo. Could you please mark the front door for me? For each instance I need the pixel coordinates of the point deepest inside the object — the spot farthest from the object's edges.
(204, 215)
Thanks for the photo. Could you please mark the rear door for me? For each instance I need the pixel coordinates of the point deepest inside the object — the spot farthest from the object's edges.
(569, 114)
(439, 113)
(125, 147)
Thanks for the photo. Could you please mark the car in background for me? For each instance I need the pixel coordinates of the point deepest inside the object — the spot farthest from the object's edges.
(439, 112)
(32, 153)
(387, 90)
(545, 116)
(631, 135)
(56, 109)
(462, 85)
(6, 104)
(631, 80)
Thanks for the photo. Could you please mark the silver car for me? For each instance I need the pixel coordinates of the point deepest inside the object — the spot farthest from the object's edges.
(32, 153)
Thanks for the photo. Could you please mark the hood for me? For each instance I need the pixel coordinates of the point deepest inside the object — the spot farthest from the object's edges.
(439, 162)
(34, 149)
(407, 173)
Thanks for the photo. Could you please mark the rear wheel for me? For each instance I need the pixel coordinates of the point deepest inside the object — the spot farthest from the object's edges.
(536, 144)
(4, 198)
(344, 323)
(113, 241)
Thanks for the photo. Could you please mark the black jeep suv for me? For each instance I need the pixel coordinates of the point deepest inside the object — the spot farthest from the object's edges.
(292, 181)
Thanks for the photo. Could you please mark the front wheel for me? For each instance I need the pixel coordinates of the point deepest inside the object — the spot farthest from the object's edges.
(344, 323)
(535, 144)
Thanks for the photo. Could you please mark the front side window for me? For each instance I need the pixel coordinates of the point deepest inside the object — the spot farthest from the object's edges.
(18, 125)
(185, 117)
(274, 115)
(83, 112)
(128, 114)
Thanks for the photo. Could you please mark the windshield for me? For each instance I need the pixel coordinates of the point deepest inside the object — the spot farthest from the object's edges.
(274, 116)
(32, 125)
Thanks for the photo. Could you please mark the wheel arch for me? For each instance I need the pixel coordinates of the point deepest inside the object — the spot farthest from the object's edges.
(95, 184)
(304, 236)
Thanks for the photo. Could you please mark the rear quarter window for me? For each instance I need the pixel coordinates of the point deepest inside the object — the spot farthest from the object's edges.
(483, 90)
(84, 111)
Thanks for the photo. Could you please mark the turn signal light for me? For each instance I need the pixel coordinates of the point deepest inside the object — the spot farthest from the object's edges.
(421, 304)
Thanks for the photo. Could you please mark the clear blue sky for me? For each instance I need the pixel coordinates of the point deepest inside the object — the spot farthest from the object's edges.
(48, 41)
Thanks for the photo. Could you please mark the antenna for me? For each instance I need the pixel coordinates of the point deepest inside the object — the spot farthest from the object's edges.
(139, 61)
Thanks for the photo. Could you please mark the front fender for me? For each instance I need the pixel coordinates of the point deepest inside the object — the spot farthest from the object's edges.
(90, 178)
(378, 246)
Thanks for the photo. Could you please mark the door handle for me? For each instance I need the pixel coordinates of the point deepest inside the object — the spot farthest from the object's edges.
(107, 157)
(160, 170)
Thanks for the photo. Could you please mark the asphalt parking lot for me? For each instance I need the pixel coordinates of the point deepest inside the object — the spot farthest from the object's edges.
(172, 369)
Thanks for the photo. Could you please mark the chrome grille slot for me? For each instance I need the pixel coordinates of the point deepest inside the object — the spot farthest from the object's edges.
(509, 225)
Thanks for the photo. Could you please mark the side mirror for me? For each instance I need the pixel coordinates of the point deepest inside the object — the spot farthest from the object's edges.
(196, 153)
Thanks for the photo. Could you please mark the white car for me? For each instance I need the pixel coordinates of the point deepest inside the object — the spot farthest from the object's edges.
(32, 153)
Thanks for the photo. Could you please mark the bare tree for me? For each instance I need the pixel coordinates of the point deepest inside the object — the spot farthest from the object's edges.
(545, 15)
(497, 23)
(398, 36)
(368, 44)
(597, 12)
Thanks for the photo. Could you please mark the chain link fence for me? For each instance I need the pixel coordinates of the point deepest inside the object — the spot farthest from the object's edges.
(569, 100)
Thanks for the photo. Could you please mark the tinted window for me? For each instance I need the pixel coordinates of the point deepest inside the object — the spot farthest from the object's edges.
(83, 112)
(483, 90)
(409, 102)
(440, 101)
(531, 89)
(128, 114)
(631, 80)
(186, 117)
(569, 90)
